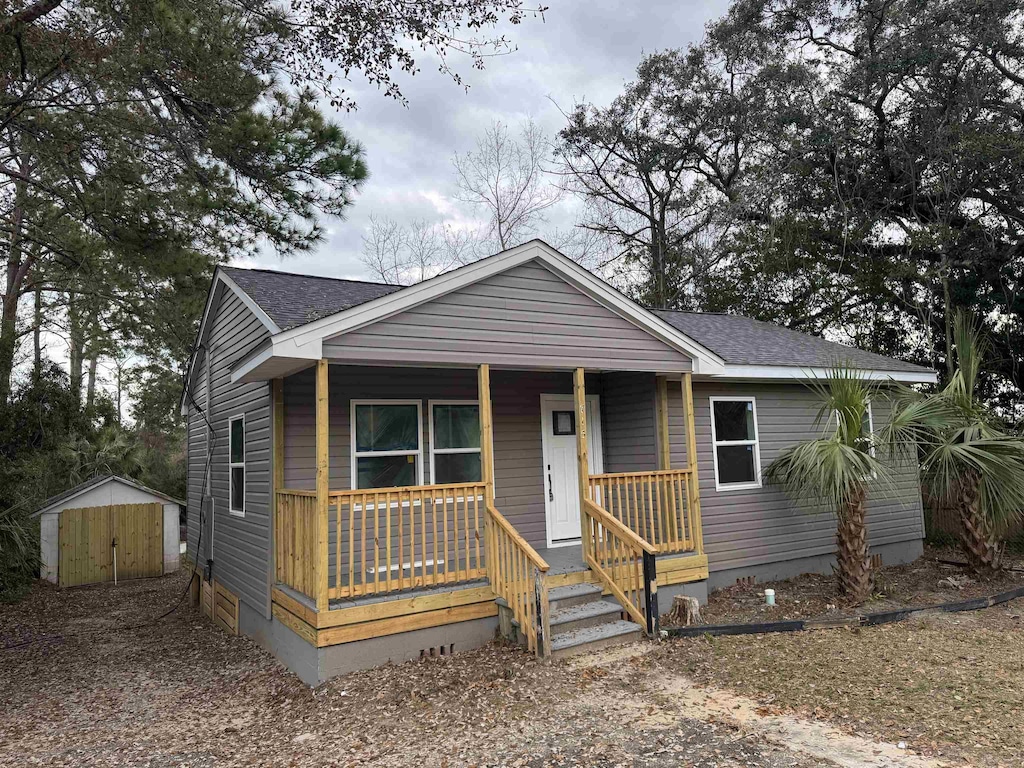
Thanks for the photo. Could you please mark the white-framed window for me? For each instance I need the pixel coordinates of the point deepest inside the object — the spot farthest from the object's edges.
(735, 445)
(867, 427)
(455, 442)
(387, 443)
(236, 465)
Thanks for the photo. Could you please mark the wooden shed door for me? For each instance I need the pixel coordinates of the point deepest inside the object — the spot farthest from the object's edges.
(86, 537)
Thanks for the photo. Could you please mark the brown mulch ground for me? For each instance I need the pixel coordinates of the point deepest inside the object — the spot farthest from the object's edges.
(926, 581)
(79, 689)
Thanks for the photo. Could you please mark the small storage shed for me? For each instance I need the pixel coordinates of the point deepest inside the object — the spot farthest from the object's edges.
(108, 526)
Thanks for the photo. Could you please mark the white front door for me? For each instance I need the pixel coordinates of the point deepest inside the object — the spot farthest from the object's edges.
(561, 478)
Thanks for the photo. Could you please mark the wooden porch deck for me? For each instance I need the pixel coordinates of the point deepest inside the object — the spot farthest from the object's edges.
(353, 565)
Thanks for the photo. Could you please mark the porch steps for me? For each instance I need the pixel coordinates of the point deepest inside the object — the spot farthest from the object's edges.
(582, 621)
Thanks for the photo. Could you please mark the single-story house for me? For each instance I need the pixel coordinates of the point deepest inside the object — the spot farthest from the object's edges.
(106, 507)
(379, 472)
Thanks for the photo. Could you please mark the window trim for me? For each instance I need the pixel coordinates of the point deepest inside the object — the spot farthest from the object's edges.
(871, 427)
(434, 451)
(356, 455)
(871, 431)
(233, 465)
(756, 442)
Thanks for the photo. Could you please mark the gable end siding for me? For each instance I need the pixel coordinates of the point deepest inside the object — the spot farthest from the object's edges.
(527, 317)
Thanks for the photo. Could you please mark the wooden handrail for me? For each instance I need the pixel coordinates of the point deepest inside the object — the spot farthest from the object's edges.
(608, 521)
(518, 576)
(529, 551)
(614, 475)
(624, 564)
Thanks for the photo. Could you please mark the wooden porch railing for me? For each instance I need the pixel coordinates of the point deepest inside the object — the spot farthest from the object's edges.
(517, 575)
(624, 564)
(388, 539)
(383, 539)
(657, 506)
(295, 530)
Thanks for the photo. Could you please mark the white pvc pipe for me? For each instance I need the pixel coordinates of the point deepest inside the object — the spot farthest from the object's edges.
(115, 562)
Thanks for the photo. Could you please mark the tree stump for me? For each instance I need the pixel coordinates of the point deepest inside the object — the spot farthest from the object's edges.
(685, 610)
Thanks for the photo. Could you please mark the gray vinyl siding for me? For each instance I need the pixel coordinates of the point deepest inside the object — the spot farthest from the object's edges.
(525, 317)
(241, 545)
(515, 402)
(751, 527)
(628, 416)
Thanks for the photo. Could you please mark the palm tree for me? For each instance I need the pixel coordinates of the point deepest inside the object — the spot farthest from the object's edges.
(968, 459)
(836, 468)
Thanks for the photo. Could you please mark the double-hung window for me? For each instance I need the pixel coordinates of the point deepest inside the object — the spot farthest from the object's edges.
(734, 436)
(236, 459)
(386, 443)
(455, 442)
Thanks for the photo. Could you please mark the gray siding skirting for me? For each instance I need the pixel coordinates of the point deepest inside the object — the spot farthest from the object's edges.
(241, 544)
(526, 317)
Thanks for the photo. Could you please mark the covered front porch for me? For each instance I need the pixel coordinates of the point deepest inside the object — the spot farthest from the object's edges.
(526, 507)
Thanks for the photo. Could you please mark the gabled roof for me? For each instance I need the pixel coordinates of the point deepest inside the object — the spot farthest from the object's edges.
(290, 348)
(300, 311)
(95, 482)
(745, 341)
(291, 300)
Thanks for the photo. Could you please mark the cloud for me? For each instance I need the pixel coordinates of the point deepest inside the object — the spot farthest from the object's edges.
(579, 51)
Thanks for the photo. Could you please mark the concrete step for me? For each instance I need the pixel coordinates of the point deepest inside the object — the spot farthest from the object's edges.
(575, 594)
(594, 638)
(584, 615)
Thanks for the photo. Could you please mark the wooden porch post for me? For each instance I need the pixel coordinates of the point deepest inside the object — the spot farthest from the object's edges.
(579, 390)
(278, 464)
(691, 460)
(664, 447)
(486, 432)
(322, 485)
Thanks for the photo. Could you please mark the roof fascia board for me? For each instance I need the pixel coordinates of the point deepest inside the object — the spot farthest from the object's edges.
(250, 304)
(783, 372)
(219, 278)
(306, 341)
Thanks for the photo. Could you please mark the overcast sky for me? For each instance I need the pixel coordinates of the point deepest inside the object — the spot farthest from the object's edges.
(580, 51)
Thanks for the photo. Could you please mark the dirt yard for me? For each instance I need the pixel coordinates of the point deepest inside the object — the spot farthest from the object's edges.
(82, 687)
(929, 580)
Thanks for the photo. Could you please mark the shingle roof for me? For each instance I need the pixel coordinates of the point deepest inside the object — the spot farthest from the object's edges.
(99, 480)
(292, 300)
(743, 341)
